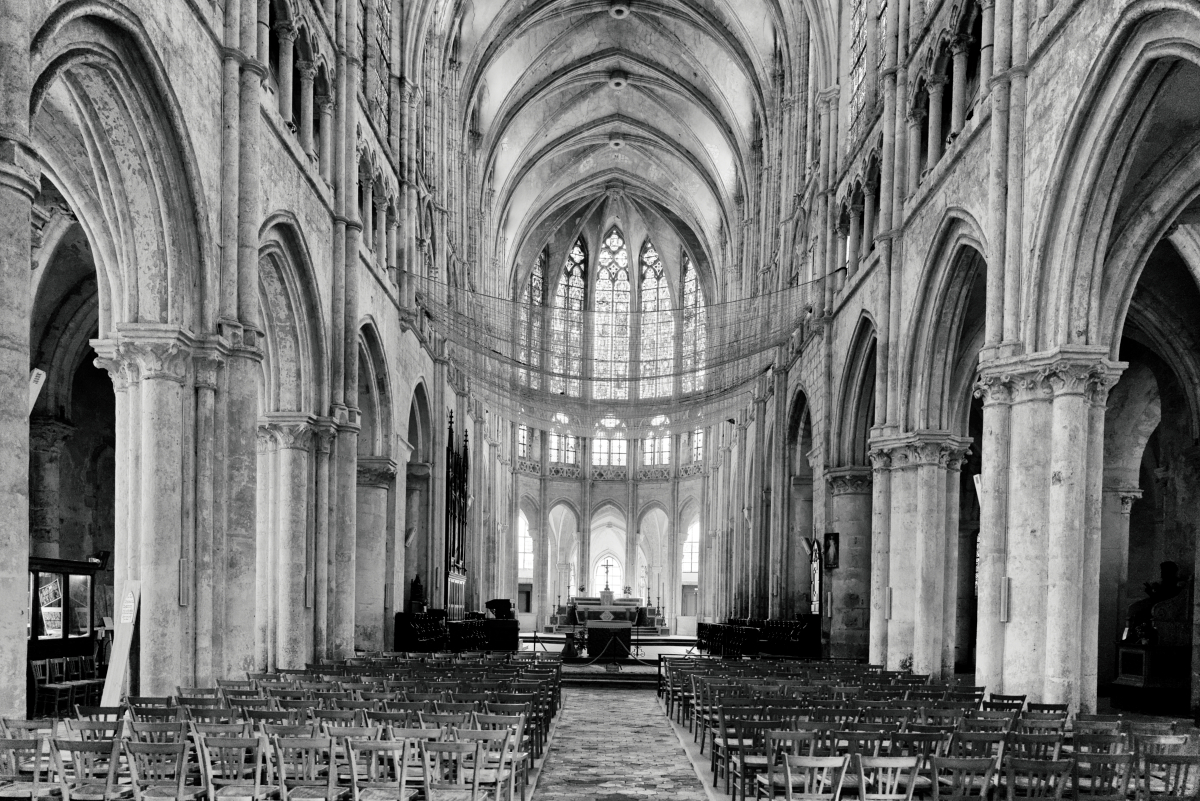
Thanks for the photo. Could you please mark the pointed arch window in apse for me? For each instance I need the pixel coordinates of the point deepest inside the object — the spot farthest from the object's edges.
(609, 578)
(658, 327)
(566, 324)
(611, 321)
(530, 323)
(695, 330)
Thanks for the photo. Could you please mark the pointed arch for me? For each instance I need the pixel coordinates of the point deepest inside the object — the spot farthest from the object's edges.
(566, 323)
(610, 320)
(374, 394)
(856, 398)
(657, 330)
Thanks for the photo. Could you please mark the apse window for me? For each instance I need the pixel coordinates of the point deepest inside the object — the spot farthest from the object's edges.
(656, 450)
(691, 549)
(698, 445)
(609, 452)
(523, 442)
(564, 449)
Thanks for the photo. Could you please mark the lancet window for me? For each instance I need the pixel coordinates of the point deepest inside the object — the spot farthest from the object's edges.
(695, 331)
(858, 66)
(610, 322)
(656, 450)
(530, 321)
(564, 449)
(609, 452)
(658, 327)
(691, 549)
(566, 324)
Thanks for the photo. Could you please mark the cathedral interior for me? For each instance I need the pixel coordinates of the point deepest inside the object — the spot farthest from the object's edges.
(878, 315)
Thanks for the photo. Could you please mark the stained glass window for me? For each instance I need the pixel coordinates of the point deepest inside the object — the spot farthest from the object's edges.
(698, 445)
(610, 333)
(695, 332)
(523, 450)
(881, 33)
(566, 324)
(564, 449)
(858, 65)
(529, 346)
(382, 107)
(658, 327)
(656, 450)
(609, 452)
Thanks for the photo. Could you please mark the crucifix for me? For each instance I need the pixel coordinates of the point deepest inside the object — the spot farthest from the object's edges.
(607, 564)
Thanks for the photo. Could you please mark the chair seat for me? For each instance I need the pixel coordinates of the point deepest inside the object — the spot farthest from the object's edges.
(169, 792)
(321, 793)
(98, 791)
(24, 790)
(381, 794)
(488, 775)
(458, 795)
(245, 791)
(776, 778)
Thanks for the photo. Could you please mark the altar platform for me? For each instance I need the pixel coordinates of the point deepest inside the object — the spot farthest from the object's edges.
(576, 614)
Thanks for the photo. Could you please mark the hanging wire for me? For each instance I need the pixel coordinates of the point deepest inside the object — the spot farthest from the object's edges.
(485, 339)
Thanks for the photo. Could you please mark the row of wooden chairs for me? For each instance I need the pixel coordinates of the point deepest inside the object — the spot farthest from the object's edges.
(62, 682)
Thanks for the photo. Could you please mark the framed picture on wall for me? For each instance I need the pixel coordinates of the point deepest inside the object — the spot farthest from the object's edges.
(832, 549)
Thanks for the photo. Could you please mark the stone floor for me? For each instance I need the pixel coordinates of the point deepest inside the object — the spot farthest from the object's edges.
(615, 745)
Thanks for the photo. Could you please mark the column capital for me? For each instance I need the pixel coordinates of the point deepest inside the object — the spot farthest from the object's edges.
(1085, 371)
(376, 472)
(145, 351)
(849, 480)
(307, 70)
(325, 104)
(961, 44)
(47, 434)
(1127, 495)
(291, 432)
(926, 447)
(286, 30)
(18, 168)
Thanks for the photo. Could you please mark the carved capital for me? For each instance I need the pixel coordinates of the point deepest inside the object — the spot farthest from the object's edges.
(264, 440)
(376, 472)
(290, 434)
(850, 481)
(307, 70)
(1127, 496)
(936, 448)
(324, 104)
(1044, 376)
(881, 459)
(996, 388)
(285, 30)
(207, 369)
(47, 435)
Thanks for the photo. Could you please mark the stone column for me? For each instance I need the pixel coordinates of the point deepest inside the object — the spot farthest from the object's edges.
(850, 582)
(935, 85)
(375, 477)
(308, 72)
(958, 91)
(18, 185)
(46, 439)
(392, 270)
(951, 580)
(325, 433)
(286, 32)
(266, 514)
(1114, 573)
(855, 239)
(292, 554)
(843, 234)
(986, 47)
(368, 227)
(914, 148)
(379, 236)
(325, 107)
(998, 393)
(881, 507)
(868, 226)
(162, 355)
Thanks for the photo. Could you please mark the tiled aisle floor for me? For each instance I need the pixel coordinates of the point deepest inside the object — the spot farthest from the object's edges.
(615, 745)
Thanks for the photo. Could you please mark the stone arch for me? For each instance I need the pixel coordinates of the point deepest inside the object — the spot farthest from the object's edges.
(949, 283)
(856, 398)
(418, 559)
(1080, 289)
(101, 90)
(374, 394)
(564, 522)
(795, 596)
(420, 426)
(294, 368)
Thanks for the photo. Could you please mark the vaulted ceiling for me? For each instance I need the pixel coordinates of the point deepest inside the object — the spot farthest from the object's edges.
(661, 99)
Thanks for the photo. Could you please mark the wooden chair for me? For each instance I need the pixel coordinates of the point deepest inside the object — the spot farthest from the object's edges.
(1170, 777)
(303, 769)
(93, 771)
(90, 731)
(160, 733)
(886, 778)
(1034, 746)
(159, 770)
(752, 754)
(1036, 778)
(724, 743)
(962, 778)
(1098, 744)
(379, 770)
(808, 778)
(492, 765)
(1102, 777)
(51, 697)
(781, 743)
(520, 756)
(99, 713)
(1006, 703)
(24, 769)
(446, 769)
(233, 768)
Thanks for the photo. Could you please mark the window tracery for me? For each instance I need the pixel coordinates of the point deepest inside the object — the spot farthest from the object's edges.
(609, 452)
(566, 324)
(658, 327)
(611, 320)
(695, 333)
(530, 321)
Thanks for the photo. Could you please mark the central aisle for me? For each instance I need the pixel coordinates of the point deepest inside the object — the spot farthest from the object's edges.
(615, 745)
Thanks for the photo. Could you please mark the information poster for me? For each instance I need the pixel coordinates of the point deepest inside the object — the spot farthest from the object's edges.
(119, 661)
